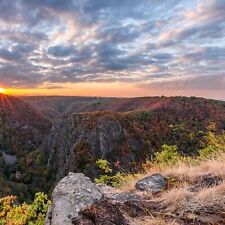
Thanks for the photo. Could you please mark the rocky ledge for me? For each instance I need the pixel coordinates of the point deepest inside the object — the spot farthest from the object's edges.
(76, 200)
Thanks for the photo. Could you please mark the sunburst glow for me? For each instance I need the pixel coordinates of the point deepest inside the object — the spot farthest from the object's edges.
(2, 90)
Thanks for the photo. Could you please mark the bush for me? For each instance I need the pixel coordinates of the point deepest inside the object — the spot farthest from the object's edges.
(214, 144)
(169, 156)
(103, 165)
(23, 214)
(108, 178)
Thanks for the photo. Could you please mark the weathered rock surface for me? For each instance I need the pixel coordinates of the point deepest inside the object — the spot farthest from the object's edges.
(72, 194)
(154, 183)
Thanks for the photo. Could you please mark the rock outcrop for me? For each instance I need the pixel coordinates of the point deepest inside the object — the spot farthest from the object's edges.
(71, 195)
(78, 201)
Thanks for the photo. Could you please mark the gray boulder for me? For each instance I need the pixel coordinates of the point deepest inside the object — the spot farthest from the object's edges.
(154, 183)
(71, 195)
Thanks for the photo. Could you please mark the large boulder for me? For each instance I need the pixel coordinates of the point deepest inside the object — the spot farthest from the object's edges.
(71, 195)
(154, 183)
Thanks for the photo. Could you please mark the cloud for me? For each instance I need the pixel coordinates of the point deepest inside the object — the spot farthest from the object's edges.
(153, 42)
(205, 21)
(61, 51)
(206, 82)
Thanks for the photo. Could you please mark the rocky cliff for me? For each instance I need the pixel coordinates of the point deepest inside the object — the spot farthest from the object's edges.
(127, 139)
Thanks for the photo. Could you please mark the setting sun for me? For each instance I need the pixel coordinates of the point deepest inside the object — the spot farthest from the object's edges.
(2, 90)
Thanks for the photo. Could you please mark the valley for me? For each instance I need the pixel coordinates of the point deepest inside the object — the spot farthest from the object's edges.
(124, 131)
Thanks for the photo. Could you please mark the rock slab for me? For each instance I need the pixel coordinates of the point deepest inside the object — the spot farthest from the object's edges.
(71, 195)
(154, 183)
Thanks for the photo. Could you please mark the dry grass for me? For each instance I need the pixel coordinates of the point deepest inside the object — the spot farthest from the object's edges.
(153, 221)
(181, 201)
(130, 182)
(181, 171)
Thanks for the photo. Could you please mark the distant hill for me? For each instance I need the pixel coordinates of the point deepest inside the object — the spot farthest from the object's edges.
(76, 142)
(55, 107)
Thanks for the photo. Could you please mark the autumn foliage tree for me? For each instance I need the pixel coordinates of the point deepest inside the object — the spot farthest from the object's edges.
(23, 214)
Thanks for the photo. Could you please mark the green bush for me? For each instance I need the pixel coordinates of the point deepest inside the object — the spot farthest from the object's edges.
(107, 177)
(169, 156)
(103, 165)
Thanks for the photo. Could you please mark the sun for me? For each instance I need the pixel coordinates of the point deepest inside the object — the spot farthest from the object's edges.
(2, 90)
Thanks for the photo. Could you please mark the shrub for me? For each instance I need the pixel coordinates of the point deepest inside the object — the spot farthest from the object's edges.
(103, 165)
(214, 144)
(23, 214)
(169, 156)
(107, 177)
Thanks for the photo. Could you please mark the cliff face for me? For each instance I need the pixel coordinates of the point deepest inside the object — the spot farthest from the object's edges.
(75, 143)
(127, 139)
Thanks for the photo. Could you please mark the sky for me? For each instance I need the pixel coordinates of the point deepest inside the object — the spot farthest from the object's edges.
(113, 47)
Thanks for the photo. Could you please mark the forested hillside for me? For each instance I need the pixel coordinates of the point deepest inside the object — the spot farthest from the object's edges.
(22, 130)
(126, 132)
(55, 107)
(127, 139)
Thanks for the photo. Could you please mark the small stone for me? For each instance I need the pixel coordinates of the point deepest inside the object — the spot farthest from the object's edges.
(154, 183)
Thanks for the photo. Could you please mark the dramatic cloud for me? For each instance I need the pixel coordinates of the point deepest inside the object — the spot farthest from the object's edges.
(154, 43)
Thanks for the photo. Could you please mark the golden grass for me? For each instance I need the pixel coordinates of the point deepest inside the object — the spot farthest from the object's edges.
(181, 200)
(214, 166)
(152, 221)
(181, 171)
